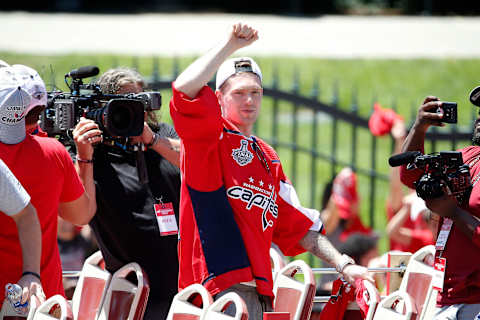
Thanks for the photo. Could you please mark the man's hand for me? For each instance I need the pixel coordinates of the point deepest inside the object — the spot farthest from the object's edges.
(444, 206)
(353, 272)
(427, 115)
(242, 36)
(85, 134)
(31, 286)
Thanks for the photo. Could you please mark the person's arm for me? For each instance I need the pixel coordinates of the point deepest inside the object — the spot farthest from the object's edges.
(330, 217)
(30, 237)
(320, 246)
(426, 117)
(395, 196)
(468, 224)
(82, 210)
(167, 147)
(395, 229)
(197, 75)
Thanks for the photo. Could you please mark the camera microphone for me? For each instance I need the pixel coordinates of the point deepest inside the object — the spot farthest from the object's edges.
(83, 72)
(475, 96)
(403, 158)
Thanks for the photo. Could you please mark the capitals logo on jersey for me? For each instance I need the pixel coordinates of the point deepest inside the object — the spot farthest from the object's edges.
(254, 196)
(242, 155)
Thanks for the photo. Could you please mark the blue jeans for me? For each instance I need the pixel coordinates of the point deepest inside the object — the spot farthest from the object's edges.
(458, 312)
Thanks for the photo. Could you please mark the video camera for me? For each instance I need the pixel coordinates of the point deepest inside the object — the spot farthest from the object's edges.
(117, 115)
(441, 171)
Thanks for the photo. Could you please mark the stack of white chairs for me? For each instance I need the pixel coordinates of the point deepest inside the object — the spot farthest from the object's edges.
(124, 299)
(54, 308)
(91, 288)
(216, 311)
(183, 308)
(292, 295)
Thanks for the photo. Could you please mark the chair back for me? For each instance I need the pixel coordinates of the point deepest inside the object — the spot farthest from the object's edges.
(216, 310)
(182, 307)
(54, 308)
(124, 299)
(417, 281)
(91, 288)
(277, 261)
(396, 306)
(292, 295)
(372, 298)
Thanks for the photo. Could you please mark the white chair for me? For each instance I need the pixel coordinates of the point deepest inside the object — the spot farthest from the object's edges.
(216, 310)
(124, 299)
(91, 288)
(182, 307)
(417, 282)
(396, 306)
(277, 260)
(292, 295)
(372, 298)
(54, 308)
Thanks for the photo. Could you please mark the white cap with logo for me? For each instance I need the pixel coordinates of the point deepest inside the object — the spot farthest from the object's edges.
(33, 84)
(234, 66)
(14, 101)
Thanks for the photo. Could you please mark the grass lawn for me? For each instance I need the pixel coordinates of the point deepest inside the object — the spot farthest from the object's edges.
(398, 84)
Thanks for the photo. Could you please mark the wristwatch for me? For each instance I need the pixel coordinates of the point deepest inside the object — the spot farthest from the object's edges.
(345, 261)
(155, 139)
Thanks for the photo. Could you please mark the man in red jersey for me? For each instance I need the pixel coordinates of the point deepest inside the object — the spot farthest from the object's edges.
(46, 171)
(235, 197)
(458, 240)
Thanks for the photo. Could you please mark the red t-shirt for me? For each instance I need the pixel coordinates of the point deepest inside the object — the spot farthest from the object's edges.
(235, 200)
(45, 169)
(462, 275)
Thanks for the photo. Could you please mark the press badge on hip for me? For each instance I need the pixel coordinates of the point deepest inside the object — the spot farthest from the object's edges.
(167, 223)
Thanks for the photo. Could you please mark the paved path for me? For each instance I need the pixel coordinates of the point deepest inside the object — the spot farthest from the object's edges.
(179, 34)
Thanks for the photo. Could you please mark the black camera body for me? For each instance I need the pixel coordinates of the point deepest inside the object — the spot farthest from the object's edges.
(449, 112)
(116, 115)
(441, 171)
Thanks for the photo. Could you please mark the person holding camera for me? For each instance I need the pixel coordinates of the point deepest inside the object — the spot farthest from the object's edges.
(236, 199)
(45, 170)
(458, 239)
(136, 220)
(15, 203)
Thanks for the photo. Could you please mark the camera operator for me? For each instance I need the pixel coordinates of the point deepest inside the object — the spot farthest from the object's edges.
(457, 243)
(45, 170)
(126, 225)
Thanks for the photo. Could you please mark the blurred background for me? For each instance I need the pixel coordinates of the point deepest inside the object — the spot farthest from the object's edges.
(281, 7)
(325, 64)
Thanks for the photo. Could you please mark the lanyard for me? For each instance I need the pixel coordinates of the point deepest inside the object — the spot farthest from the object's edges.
(261, 155)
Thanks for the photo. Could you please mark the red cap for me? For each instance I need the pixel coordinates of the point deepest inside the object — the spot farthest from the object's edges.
(345, 193)
(381, 121)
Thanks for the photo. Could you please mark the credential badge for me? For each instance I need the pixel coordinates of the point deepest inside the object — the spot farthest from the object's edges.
(241, 155)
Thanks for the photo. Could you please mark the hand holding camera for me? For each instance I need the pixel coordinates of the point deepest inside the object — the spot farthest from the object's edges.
(434, 112)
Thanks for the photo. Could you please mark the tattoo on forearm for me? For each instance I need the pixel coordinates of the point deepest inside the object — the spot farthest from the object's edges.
(320, 246)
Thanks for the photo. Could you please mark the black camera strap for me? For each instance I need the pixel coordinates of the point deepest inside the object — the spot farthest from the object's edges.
(141, 166)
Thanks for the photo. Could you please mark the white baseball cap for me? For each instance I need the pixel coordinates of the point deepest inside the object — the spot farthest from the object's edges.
(234, 66)
(13, 106)
(33, 84)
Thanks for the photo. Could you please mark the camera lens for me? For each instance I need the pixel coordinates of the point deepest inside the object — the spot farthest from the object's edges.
(121, 118)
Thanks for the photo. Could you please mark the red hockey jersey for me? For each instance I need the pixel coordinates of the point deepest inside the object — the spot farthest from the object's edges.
(235, 200)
